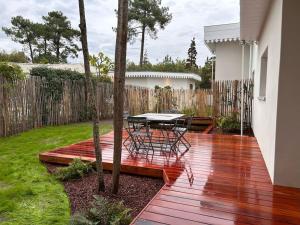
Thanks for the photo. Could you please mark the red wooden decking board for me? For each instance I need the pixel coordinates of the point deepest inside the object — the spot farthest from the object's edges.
(220, 180)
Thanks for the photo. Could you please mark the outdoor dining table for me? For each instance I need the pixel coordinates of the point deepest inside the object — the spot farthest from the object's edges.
(160, 117)
(165, 122)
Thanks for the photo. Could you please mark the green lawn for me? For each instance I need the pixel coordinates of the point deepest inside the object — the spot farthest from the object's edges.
(28, 194)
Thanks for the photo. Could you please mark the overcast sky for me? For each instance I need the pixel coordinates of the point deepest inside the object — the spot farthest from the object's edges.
(189, 17)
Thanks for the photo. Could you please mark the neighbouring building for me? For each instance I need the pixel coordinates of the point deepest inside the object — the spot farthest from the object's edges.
(270, 29)
(141, 79)
(162, 79)
(223, 41)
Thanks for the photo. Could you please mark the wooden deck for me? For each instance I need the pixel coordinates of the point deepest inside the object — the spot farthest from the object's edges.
(220, 180)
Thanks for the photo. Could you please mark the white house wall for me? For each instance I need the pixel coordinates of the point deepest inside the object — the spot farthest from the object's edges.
(265, 112)
(162, 82)
(229, 61)
(287, 156)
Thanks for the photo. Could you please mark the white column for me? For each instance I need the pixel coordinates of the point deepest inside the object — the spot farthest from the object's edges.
(242, 94)
(250, 60)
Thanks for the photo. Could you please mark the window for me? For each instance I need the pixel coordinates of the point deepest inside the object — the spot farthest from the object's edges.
(191, 87)
(263, 75)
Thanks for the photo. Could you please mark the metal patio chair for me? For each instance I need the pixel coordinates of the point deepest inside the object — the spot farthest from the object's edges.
(180, 129)
(140, 135)
(166, 127)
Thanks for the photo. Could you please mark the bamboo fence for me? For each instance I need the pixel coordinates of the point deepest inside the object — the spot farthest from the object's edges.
(30, 104)
(227, 99)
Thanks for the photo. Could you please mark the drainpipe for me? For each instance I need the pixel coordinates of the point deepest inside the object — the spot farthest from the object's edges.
(250, 60)
(243, 43)
(212, 77)
(212, 69)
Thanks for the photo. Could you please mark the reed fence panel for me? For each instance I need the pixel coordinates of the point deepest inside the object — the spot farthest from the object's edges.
(31, 103)
(227, 99)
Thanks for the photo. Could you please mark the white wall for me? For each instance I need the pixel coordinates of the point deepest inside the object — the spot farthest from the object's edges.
(229, 61)
(287, 156)
(162, 82)
(265, 112)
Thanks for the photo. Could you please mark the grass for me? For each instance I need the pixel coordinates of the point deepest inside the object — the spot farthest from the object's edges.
(28, 193)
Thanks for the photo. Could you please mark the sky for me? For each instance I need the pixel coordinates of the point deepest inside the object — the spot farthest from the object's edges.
(189, 19)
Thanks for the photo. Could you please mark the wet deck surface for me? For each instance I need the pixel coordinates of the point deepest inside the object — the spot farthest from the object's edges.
(220, 180)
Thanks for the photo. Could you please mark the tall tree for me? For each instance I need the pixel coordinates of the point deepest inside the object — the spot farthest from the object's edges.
(62, 36)
(119, 83)
(91, 96)
(192, 54)
(22, 31)
(146, 16)
(206, 73)
(43, 35)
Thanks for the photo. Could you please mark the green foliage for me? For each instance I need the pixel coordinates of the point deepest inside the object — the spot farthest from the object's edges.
(62, 37)
(192, 54)
(206, 74)
(75, 170)
(18, 57)
(229, 123)
(148, 15)
(102, 63)
(102, 79)
(59, 74)
(52, 41)
(192, 111)
(28, 193)
(11, 72)
(22, 31)
(54, 80)
(166, 65)
(105, 213)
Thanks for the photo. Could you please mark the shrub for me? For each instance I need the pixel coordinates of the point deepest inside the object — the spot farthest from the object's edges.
(192, 111)
(102, 78)
(75, 170)
(229, 123)
(11, 72)
(53, 81)
(52, 74)
(18, 57)
(103, 212)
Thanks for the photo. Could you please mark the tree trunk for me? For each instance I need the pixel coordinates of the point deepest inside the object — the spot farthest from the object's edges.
(45, 47)
(91, 97)
(57, 50)
(142, 46)
(31, 52)
(119, 83)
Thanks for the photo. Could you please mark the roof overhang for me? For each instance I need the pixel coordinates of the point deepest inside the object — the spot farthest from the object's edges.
(253, 14)
(220, 34)
(152, 74)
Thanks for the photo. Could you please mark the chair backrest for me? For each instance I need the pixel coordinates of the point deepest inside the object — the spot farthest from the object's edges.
(172, 111)
(189, 121)
(185, 122)
(137, 123)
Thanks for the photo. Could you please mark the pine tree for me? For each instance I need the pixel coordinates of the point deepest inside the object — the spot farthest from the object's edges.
(192, 54)
(146, 17)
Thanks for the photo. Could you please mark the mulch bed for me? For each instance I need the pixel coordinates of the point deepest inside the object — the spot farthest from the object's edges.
(134, 191)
